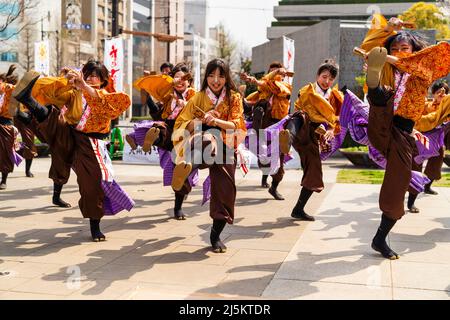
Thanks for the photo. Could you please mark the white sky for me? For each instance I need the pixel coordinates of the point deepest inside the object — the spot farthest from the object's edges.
(246, 20)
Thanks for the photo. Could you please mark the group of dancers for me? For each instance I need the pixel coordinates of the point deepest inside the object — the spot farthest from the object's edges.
(72, 113)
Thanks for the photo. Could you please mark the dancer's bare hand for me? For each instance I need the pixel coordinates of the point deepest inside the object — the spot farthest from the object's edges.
(329, 135)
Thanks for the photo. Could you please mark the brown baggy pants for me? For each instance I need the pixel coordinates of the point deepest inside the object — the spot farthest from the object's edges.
(27, 134)
(6, 148)
(399, 149)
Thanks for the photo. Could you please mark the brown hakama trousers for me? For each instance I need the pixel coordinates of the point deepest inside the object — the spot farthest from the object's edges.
(27, 134)
(223, 187)
(57, 134)
(6, 147)
(399, 148)
(306, 143)
(434, 166)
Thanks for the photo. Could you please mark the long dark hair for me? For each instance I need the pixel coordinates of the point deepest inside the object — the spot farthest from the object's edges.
(224, 71)
(93, 66)
(414, 39)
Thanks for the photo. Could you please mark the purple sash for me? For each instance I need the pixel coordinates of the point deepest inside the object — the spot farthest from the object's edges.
(116, 199)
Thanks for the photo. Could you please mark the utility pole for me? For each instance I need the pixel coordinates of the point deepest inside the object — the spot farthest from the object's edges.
(115, 18)
(168, 30)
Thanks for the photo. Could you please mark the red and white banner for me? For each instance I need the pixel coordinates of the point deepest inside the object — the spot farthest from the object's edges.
(288, 55)
(114, 61)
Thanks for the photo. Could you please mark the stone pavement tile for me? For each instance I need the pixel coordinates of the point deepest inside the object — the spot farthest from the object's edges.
(32, 270)
(416, 294)
(103, 290)
(312, 290)
(203, 239)
(188, 274)
(261, 259)
(240, 241)
(250, 283)
(160, 291)
(423, 234)
(7, 282)
(14, 250)
(11, 295)
(187, 254)
(419, 275)
(340, 268)
(60, 286)
(427, 252)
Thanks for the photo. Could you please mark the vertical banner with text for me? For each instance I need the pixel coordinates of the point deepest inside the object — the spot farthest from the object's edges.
(288, 55)
(114, 61)
(42, 57)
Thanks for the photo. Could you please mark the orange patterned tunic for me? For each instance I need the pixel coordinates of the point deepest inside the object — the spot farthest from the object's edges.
(424, 67)
(233, 112)
(167, 104)
(277, 92)
(99, 111)
(6, 90)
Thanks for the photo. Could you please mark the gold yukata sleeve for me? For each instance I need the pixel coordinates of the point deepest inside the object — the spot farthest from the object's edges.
(57, 91)
(317, 107)
(376, 37)
(158, 86)
(432, 120)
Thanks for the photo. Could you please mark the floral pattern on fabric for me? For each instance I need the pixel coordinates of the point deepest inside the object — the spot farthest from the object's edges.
(103, 109)
(424, 66)
(7, 90)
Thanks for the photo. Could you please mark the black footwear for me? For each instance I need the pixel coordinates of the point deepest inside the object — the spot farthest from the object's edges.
(379, 241)
(60, 203)
(216, 230)
(57, 197)
(413, 209)
(178, 211)
(385, 250)
(275, 194)
(23, 89)
(428, 189)
(264, 183)
(28, 167)
(3, 181)
(411, 200)
(301, 215)
(22, 93)
(96, 234)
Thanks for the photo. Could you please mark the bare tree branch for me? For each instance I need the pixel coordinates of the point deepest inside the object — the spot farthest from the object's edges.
(14, 11)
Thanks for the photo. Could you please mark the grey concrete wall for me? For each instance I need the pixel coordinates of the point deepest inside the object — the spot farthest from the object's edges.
(264, 54)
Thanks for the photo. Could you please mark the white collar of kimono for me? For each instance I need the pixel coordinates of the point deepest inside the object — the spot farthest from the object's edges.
(214, 99)
(325, 94)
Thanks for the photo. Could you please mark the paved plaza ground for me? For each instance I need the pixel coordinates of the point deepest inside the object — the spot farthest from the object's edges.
(46, 252)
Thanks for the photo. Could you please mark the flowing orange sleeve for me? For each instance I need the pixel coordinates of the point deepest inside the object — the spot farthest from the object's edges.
(377, 34)
(236, 115)
(428, 64)
(158, 86)
(4, 108)
(108, 104)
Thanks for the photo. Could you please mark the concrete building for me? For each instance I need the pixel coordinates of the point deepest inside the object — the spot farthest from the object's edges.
(314, 44)
(196, 17)
(168, 18)
(41, 22)
(294, 15)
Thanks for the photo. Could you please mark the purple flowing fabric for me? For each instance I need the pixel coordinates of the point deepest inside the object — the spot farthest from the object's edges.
(354, 118)
(16, 158)
(166, 163)
(264, 152)
(206, 190)
(116, 199)
(140, 129)
(436, 142)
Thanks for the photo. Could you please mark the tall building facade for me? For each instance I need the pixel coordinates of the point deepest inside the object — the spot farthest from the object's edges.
(294, 15)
